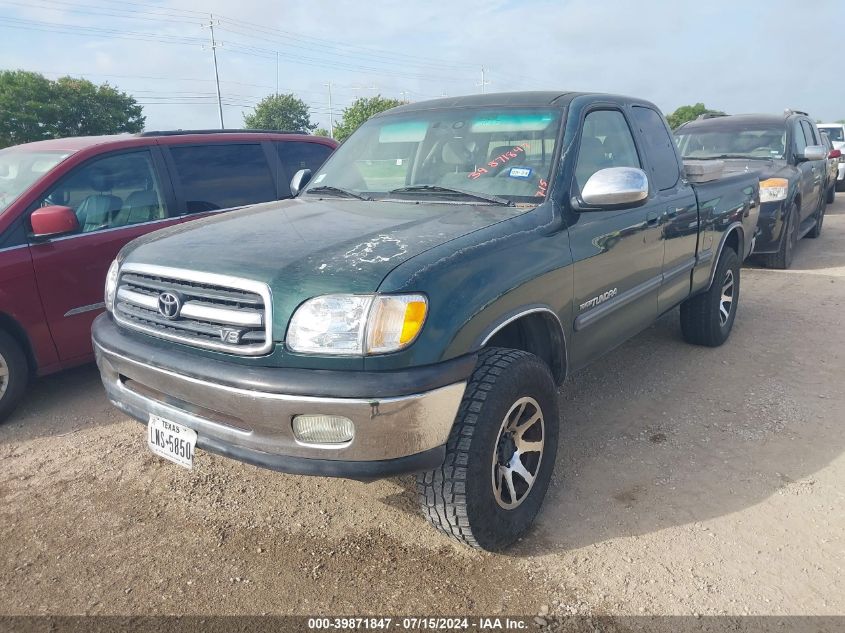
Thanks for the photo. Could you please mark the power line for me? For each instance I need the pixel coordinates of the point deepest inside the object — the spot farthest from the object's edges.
(214, 46)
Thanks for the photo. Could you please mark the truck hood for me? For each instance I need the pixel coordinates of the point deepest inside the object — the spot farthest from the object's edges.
(307, 247)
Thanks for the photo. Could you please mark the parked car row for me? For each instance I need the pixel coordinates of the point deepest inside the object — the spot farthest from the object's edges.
(414, 306)
(67, 206)
(798, 171)
(836, 133)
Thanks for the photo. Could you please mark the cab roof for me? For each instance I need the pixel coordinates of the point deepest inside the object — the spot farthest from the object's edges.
(538, 98)
(77, 143)
(734, 121)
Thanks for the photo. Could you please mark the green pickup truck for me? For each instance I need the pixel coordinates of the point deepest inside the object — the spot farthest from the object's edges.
(415, 307)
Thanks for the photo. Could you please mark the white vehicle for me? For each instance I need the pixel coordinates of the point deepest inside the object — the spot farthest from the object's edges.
(836, 132)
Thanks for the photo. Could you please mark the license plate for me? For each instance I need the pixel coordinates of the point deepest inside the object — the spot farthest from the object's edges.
(171, 441)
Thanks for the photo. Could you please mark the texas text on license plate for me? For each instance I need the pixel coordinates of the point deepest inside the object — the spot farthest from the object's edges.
(171, 441)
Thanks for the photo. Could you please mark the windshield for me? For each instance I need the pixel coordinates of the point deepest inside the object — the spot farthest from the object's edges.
(723, 141)
(836, 133)
(501, 155)
(20, 168)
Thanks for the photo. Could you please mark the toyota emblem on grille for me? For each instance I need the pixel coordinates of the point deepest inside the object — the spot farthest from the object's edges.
(169, 305)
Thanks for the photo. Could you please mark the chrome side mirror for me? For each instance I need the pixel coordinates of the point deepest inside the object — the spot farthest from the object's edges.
(813, 152)
(615, 187)
(299, 180)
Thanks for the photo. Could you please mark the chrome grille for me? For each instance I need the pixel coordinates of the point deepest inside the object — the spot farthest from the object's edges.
(214, 311)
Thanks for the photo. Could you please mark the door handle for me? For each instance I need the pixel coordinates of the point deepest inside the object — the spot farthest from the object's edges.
(651, 218)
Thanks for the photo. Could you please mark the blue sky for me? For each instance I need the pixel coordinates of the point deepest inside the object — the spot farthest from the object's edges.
(751, 56)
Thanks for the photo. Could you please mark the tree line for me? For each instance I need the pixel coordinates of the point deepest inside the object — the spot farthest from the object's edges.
(34, 108)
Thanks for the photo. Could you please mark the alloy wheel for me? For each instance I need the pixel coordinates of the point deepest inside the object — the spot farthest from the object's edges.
(4, 376)
(726, 301)
(518, 453)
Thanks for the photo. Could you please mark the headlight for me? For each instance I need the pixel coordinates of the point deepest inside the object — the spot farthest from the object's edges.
(111, 285)
(356, 324)
(773, 189)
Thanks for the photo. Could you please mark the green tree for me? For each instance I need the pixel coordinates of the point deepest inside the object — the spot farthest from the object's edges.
(280, 112)
(34, 108)
(688, 113)
(321, 131)
(361, 110)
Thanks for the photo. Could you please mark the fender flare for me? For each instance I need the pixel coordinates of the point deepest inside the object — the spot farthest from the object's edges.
(734, 227)
(514, 315)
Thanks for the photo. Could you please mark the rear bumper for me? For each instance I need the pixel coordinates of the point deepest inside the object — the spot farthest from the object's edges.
(770, 226)
(246, 413)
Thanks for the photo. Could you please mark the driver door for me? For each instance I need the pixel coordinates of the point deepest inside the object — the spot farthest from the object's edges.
(116, 197)
(618, 254)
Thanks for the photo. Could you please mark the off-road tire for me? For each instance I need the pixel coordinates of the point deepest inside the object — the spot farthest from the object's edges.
(458, 498)
(782, 259)
(14, 365)
(700, 315)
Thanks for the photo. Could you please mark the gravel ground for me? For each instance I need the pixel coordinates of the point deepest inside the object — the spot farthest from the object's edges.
(689, 481)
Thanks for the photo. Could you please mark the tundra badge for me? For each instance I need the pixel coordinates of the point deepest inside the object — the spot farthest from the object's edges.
(600, 299)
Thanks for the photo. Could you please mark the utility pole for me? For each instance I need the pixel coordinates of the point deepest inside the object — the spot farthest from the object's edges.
(483, 82)
(214, 45)
(331, 111)
(277, 73)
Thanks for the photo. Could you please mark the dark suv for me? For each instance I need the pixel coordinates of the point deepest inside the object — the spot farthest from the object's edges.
(787, 152)
(67, 206)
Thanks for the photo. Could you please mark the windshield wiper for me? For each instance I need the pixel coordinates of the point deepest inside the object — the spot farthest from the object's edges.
(336, 191)
(435, 189)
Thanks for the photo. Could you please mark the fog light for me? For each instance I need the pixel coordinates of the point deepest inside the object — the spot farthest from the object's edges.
(323, 429)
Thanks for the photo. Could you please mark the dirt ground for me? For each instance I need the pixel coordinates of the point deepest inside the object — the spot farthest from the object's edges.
(689, 481)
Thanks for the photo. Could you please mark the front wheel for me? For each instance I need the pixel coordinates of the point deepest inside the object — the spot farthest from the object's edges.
(500, 453)
(782, 259)
(14, 374)
(707, 319)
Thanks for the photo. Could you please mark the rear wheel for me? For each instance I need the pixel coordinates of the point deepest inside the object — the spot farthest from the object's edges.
(831, 194)
(14, 374)
(500, 453)
(707, 318)
(783, 258)
(817, 229)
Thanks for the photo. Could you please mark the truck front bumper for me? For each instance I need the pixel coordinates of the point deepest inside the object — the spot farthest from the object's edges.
(401, 419)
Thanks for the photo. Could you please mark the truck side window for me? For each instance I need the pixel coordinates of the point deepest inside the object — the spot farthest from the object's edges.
(809, 134)
(222, 176)
(606, 141)
(658, 146)
(111, 192)
(800, 141)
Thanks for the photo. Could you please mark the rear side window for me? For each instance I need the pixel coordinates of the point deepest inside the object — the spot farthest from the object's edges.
(659, 147)
(296, 155)
(222, 176)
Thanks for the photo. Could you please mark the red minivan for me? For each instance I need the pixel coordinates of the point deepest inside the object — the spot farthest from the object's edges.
(67, 206)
